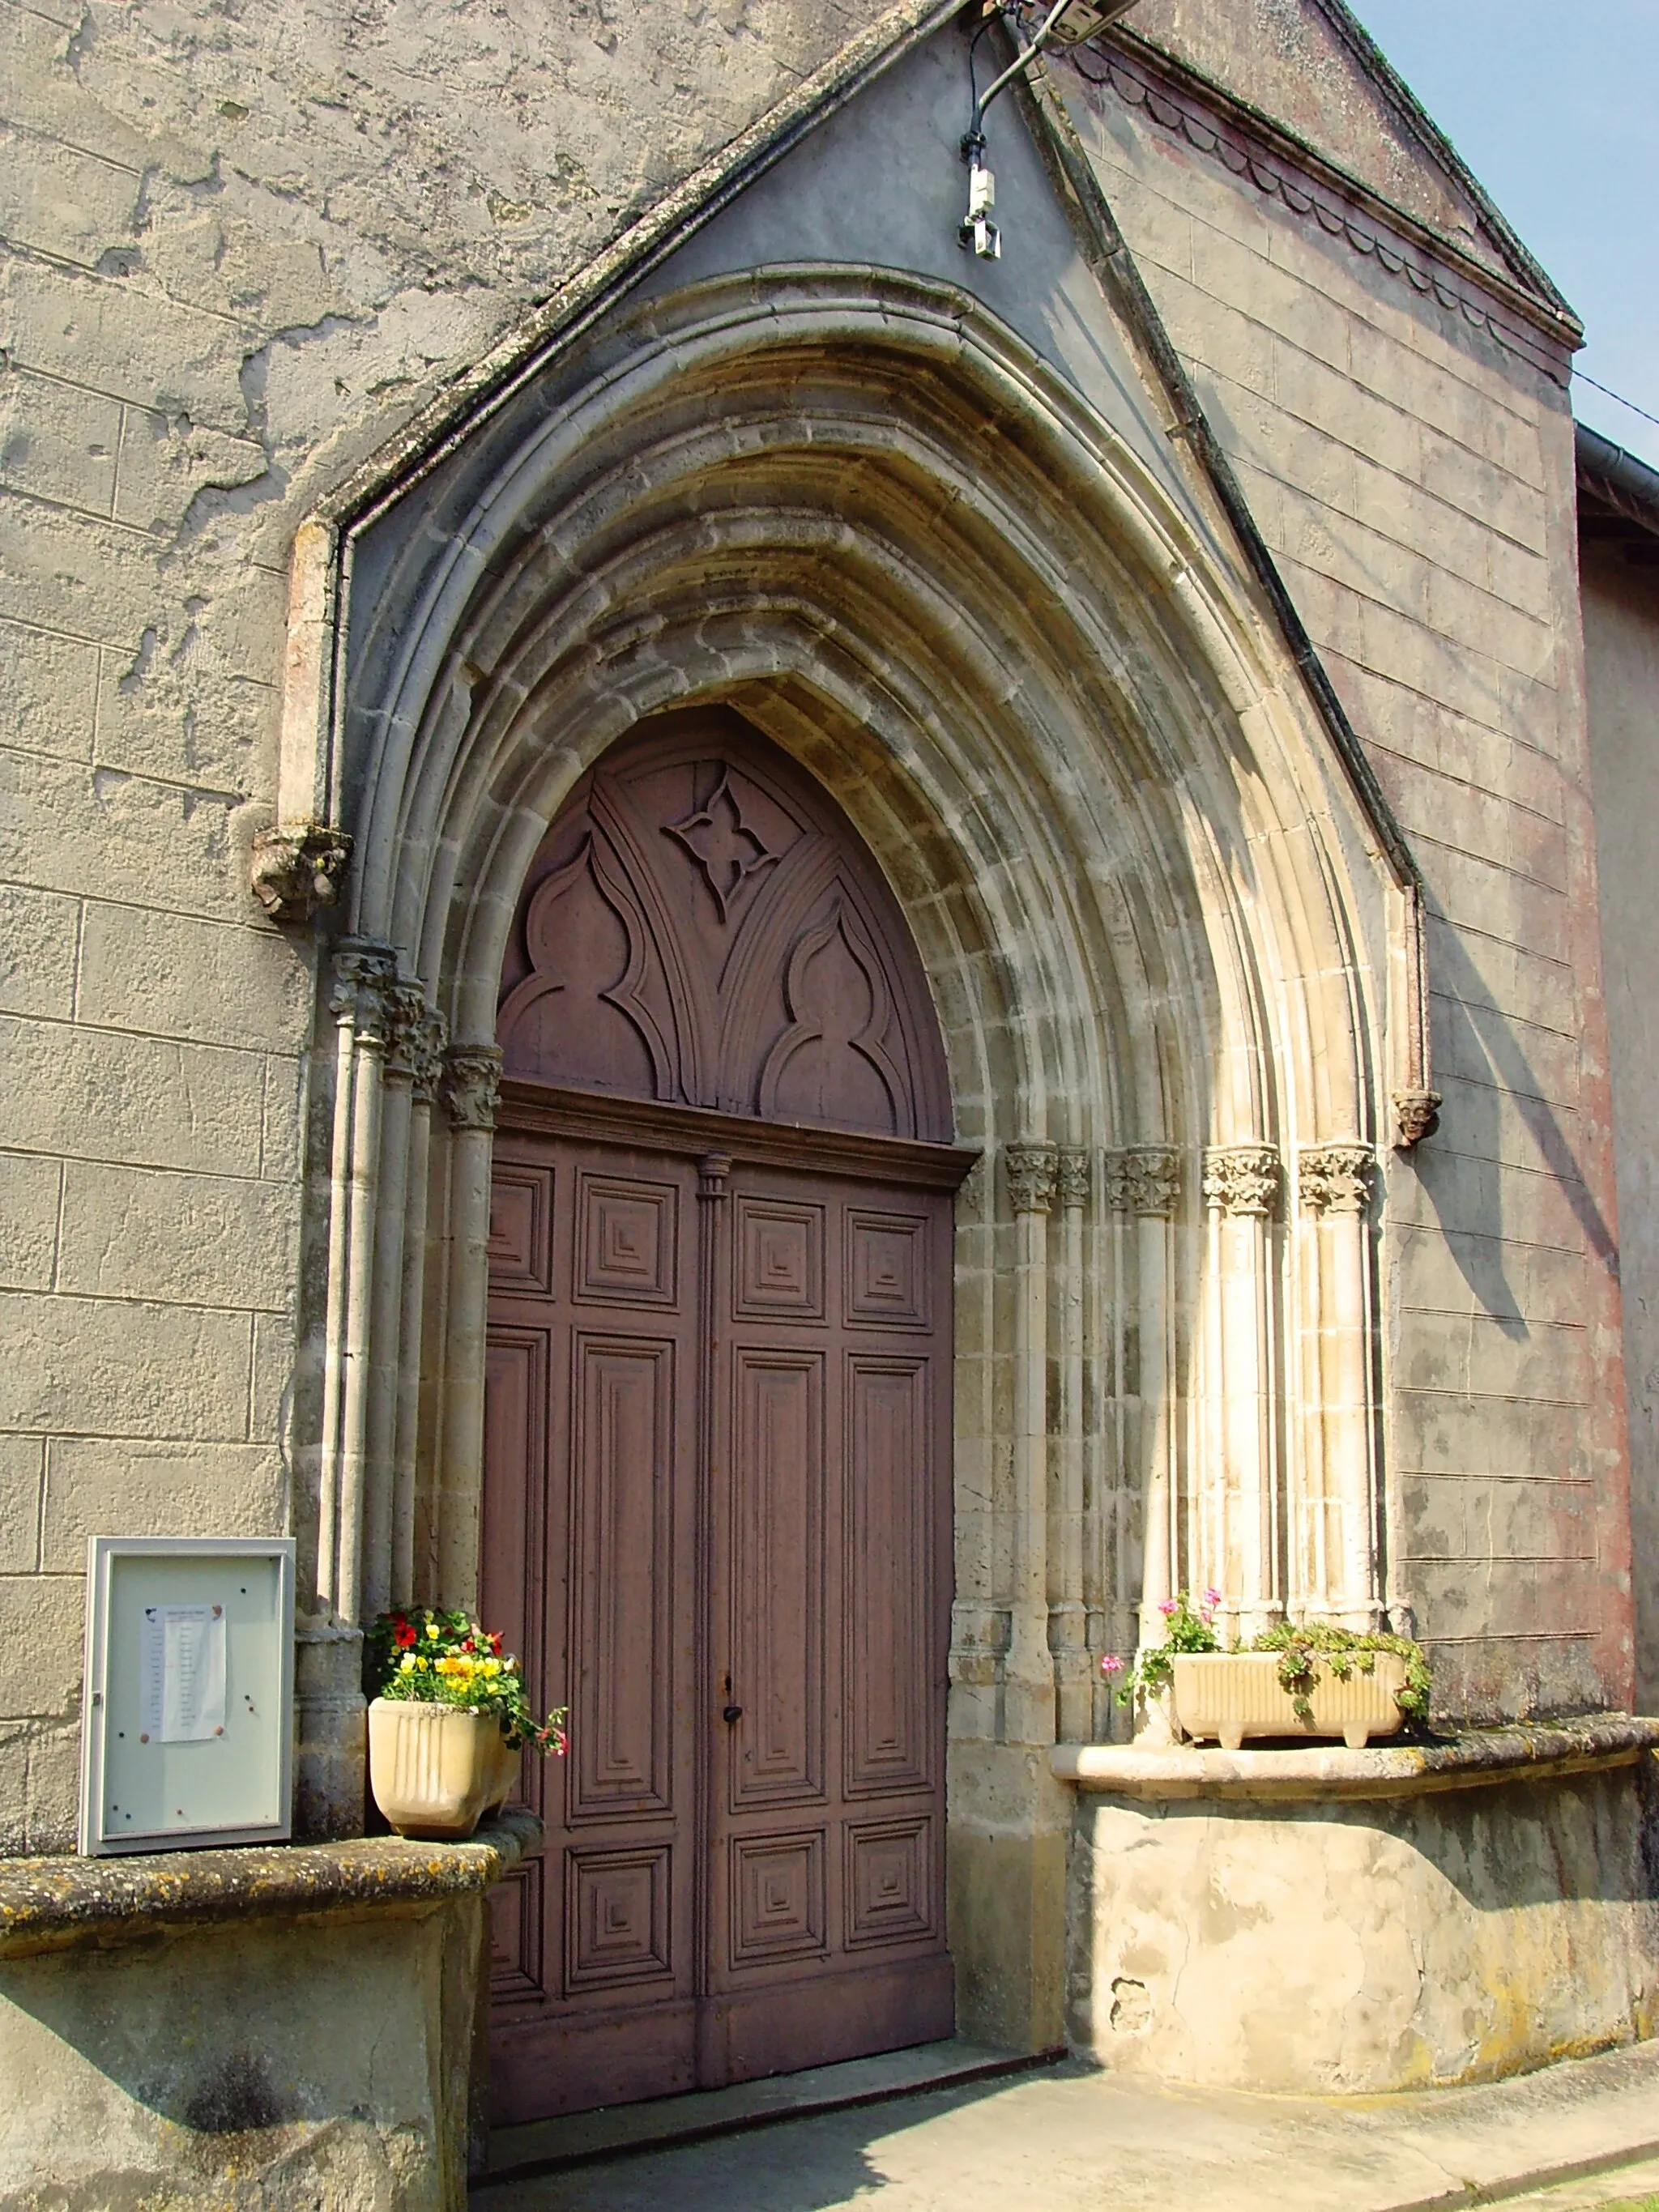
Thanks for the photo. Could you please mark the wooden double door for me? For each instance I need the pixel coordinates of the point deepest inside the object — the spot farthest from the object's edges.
(716, 1522)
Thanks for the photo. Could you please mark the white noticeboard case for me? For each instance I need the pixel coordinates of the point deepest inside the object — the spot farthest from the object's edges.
(186, 1732)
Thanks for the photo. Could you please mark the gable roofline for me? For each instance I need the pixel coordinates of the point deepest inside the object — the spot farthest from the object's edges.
(1416, 118)
(1522, 284)
(322, 552)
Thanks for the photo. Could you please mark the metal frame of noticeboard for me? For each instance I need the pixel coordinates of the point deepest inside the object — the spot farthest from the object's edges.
(187, 1723)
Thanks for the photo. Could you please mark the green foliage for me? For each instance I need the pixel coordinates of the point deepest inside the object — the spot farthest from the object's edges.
(1302, 1644)
(1189, 1625)
(435, 1658)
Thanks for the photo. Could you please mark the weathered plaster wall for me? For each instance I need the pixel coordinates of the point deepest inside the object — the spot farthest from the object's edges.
(1621, 668)
(235, 252)
(273, 2063)
(1414, 482)
(1362, 1947)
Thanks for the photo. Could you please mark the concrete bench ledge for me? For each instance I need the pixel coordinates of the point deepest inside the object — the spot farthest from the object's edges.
(68, 1903)
(1478, 1758)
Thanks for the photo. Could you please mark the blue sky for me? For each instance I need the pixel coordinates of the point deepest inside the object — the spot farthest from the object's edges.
(1556, 109)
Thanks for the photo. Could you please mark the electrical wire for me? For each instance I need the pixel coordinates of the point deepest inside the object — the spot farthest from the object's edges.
(1607, 392)
(1022, 62)
(973, 52)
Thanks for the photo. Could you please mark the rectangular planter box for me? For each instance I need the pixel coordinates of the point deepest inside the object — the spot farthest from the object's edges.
(1230, 1695)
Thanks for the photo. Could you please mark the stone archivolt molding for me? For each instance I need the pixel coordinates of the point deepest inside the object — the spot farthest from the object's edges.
(815, 636)
(1241, 1179)
(473, 1085)
(298, 869)
(1335, 1178)
(1144, 1179)
(1032, 1170)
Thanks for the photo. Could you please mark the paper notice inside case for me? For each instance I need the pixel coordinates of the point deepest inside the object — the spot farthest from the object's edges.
(183, 1660)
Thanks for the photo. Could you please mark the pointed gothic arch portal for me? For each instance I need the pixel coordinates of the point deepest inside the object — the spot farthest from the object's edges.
(716, 1507)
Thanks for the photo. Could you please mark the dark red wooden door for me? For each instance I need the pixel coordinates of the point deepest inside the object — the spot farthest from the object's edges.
(716, 1505)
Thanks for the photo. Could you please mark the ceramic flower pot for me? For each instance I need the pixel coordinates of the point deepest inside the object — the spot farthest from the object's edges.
(436, 1770)
(1230, 1695)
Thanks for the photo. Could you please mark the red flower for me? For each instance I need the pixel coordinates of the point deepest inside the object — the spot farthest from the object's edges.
(495, 1645)
(403, 1635)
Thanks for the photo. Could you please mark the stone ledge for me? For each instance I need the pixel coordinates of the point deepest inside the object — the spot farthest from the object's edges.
(1479, 1759)
(65, 1904)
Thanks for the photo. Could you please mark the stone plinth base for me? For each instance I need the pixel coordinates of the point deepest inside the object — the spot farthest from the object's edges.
(273, 2028)
(1327, 1920)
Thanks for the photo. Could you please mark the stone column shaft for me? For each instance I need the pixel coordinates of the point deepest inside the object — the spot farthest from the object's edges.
(472, 1089)
(1028, 1678)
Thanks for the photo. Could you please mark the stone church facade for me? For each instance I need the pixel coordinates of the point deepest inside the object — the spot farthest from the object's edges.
(816, 961)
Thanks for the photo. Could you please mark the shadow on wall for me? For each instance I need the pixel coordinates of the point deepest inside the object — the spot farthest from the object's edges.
(1477, 1049)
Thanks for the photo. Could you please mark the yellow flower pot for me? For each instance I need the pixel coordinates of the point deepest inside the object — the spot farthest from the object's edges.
(435, 1770)
(1230, 1695)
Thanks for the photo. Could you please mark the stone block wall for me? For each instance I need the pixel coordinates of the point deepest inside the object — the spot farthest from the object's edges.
(1412, 478)
(235, 254)
(1621, 645)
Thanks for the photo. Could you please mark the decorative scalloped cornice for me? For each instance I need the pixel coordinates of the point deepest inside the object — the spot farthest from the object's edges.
(1280, 167)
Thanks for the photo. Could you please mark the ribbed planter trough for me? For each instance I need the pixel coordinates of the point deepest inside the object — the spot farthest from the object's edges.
(1230, 1695)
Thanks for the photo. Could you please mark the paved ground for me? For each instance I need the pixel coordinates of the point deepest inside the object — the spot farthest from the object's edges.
(1630, 2189)
(1578, 2138)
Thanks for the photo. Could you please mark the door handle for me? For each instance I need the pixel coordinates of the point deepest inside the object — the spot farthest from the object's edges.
(732, 1715)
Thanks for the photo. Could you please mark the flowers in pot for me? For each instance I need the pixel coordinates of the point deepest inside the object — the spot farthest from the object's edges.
(1297, 1679)
(449, 1719)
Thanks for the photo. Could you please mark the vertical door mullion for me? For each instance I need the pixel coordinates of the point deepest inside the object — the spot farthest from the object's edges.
(713, 1631)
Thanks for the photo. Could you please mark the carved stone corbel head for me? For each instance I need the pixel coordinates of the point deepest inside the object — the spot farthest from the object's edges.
(1416, 1115)
(298, 868)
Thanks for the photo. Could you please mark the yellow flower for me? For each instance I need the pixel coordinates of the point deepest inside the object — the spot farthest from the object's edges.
(492, 1665)
(406, 1665)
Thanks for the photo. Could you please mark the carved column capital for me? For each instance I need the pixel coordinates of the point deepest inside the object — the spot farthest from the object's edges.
(298, 868)
(1031, 1171)
(364, 977)
(472, 1084)
(426, 1055)
(414, 1040)
(1145, 1179)
(1241, 1179)
(1335, 1178)
(1416, 1115)
(1072, 1176)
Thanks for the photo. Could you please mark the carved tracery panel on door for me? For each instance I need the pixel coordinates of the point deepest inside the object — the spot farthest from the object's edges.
(716, 1498)
(702, 927)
